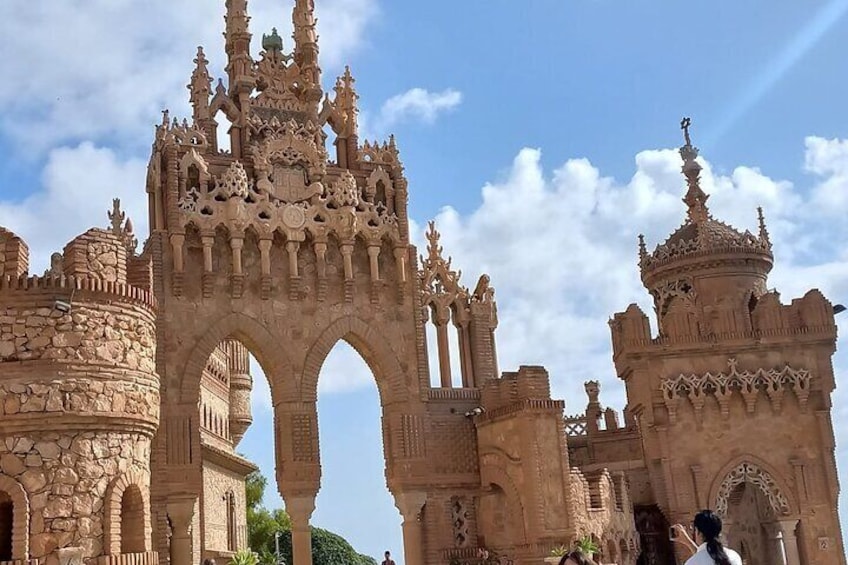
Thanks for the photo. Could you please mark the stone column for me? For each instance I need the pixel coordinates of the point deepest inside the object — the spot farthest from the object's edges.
(775, 549)
(300, 509)
(790, 542)
(181, 514)
(410, 505)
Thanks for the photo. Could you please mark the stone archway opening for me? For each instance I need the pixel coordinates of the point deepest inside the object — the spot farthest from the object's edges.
(132, 520)
(353, 457)
(756, 515)
(7, 518)
(233, 386)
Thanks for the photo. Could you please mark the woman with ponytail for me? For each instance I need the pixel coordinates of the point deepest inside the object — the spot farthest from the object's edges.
(706, 547)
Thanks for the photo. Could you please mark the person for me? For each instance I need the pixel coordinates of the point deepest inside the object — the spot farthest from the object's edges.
(575, 558)
(706, 548)
(388, 560)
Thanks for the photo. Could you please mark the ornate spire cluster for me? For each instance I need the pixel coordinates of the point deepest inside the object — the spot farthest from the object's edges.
(200, 87)
(700, 232)
(441, 284)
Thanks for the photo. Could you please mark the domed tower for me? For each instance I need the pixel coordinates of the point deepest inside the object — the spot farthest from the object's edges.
(79, 401)
(733, 397)
(707, 275)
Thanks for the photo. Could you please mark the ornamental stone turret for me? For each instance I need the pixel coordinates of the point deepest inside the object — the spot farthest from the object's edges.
(704, 276)
(80, 398)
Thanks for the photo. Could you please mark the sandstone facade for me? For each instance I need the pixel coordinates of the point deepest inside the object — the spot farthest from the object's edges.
(125, 389)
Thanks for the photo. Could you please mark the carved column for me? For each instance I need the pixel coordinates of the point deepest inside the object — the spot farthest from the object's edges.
(441, 321)
(181, 514)
(265, 266)
(237, 244)
(790, 542)
(208, 240)
(410, 505)
(300, 509)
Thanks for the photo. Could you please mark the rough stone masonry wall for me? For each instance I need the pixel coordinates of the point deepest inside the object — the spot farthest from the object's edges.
(79, 402)
(67, 476)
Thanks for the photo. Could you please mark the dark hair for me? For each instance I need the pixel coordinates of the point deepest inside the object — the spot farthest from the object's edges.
(709, 524)
(578, 557)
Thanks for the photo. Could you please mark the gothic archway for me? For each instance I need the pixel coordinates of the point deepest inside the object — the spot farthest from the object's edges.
(19, 501)
(746, 471)
(370, 345)
(261, 343)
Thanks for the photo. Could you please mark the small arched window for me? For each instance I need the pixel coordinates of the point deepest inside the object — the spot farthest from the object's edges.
(132, 520)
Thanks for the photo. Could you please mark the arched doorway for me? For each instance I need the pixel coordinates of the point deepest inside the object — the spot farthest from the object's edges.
(7, 517)
(653, 527)
(756, 513)
(132, 520)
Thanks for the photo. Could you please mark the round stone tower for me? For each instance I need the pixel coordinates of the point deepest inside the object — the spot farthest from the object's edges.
(79, 401)
(707, 276)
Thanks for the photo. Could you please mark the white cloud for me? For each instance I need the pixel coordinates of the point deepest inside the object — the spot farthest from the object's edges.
(106, 68)
(416, 104)
(78, 185)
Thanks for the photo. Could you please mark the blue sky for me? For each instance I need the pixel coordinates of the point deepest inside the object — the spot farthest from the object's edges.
(519, 123)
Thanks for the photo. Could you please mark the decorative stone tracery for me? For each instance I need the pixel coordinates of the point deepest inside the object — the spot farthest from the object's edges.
(750, 473)
(774, 382)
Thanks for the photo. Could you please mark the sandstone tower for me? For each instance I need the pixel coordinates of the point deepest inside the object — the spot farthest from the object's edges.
(733, 397)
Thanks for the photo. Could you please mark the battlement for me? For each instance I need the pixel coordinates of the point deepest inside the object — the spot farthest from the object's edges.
(14, 254)
(530, 385)
(12, 288)
(766, 317)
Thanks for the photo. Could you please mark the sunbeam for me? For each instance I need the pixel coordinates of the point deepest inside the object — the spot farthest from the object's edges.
(805, 40)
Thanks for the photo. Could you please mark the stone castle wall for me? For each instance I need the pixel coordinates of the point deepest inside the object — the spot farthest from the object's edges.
(79, 400)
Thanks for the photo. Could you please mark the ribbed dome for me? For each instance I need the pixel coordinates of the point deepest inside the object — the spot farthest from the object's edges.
(701, 235)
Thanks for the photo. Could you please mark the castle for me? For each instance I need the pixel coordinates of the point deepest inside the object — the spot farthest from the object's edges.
(124, 382)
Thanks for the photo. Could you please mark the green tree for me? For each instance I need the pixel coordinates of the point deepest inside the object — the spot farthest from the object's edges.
(328, 548)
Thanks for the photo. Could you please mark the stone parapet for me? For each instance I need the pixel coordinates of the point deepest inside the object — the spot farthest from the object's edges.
(12, 288)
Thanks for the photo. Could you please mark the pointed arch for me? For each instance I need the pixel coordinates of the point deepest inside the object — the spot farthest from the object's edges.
(20, 516)
(134, 484)
(751, 469)
(371, 345)
(261, 343)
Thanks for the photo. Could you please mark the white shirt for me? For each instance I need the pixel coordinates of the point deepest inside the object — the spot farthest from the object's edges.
(701, 557)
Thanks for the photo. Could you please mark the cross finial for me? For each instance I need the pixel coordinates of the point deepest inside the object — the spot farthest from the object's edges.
(685, 124)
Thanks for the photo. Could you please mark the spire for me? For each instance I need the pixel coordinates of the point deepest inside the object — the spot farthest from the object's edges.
(695, 199)
(306, 39)
(199, 87)
(346, 102)
(434, 250)
(236, 19)
(764, 234)
(237, 41)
